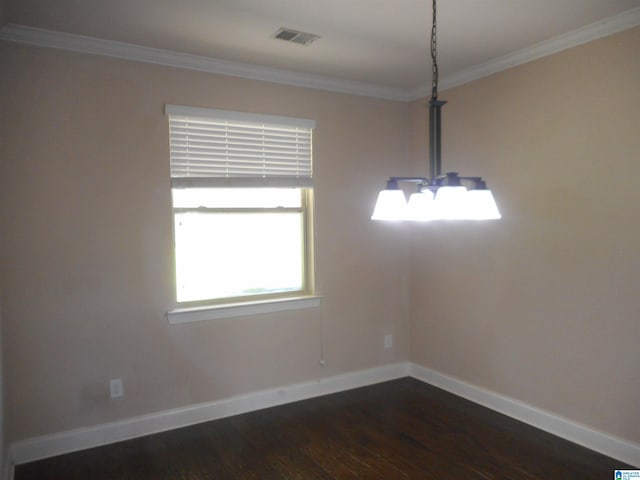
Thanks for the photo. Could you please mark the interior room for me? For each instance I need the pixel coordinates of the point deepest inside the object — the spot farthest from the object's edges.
(534, 315)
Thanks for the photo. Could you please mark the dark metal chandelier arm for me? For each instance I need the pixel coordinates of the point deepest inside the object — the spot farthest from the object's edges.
(450, 179)
(392, 183)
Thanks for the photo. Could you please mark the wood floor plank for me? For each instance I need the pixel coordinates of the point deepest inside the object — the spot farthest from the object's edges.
(403, 429)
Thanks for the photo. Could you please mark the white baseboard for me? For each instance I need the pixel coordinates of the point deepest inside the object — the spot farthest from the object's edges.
(82, 438)
(617, 448)
(79, 439)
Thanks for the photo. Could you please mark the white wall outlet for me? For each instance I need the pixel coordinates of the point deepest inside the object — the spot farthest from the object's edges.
(116, 388)
(388, 341)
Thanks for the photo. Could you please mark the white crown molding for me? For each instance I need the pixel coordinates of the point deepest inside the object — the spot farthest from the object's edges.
(83, 44)
(617, 448)
(79, 43)
(588, 33)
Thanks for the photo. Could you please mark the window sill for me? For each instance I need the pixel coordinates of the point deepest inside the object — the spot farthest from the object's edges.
(198, 314)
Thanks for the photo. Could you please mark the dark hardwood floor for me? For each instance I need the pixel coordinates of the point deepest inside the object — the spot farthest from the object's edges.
(403, 429)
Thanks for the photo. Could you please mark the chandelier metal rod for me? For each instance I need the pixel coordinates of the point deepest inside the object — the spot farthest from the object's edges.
(434, 55)
(435, 108)
(435, 138)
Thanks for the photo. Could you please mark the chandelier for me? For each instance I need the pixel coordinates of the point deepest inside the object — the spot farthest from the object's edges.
(439, 197)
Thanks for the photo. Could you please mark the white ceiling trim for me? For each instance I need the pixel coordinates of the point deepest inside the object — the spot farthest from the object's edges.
(83, 44)
(97, 46)
(588, 33)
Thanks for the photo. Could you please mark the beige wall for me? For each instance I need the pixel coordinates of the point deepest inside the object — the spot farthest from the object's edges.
(2, 437)
(3, 12)
(544, 305)
(87, 257)
(541, 306)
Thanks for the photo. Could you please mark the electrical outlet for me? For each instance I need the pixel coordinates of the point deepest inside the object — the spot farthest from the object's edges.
(116, 388)
(388, 341)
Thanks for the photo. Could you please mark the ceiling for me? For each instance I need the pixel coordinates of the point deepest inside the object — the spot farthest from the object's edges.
(376, 42)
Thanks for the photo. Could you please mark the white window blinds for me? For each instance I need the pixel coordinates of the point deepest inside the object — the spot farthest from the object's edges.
(218, 148)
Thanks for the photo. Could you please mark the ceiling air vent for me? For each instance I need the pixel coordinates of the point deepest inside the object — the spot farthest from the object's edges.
(294, 36)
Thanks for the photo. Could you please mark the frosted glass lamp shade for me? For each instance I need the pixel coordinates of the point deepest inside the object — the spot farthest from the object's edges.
(482, 206)
(421, 207)
(391, 205)
(451, 203)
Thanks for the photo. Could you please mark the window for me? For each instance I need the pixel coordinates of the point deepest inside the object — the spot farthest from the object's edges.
(242, 196)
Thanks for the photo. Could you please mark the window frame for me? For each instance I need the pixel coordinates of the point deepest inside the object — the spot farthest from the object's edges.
(308, 255)
(223, 307)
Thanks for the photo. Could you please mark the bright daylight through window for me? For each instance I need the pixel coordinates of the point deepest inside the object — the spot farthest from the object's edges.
(241, 186)
(238, 242)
